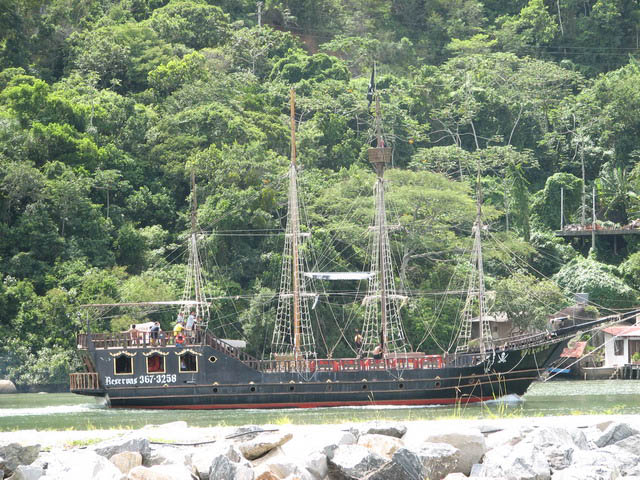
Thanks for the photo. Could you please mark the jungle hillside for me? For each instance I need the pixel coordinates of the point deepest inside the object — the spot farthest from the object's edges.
(108, 106)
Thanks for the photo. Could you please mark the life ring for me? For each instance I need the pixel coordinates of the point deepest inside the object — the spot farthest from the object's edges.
(179, 339)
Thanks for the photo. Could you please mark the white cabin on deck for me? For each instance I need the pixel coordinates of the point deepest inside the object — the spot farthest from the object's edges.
(621, 342)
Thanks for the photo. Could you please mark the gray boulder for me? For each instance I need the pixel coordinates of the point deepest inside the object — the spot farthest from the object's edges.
(522, 462)
(558, 444)
(615, 432)
(14, 454)
(161, 472)
(27, 472)
(7, 386)
(262, 444)
(433, 460)
(381, 444)
(167, 455)
(77, 464)
(130, 443)
(316, 464)
(391, 429)
(470, 443)
(625, 461)
(203, 457)
(630, 444)
(126, 461)
(353, 462)
(224, 469)
(587, 473)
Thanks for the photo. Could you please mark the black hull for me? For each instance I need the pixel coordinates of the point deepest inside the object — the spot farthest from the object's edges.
(225, 382)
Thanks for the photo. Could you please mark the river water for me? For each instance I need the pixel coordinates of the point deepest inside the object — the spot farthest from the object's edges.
(61, 411)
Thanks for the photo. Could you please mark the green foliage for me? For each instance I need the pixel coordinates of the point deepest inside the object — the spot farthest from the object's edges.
(192, 23)
(546, 202)
(602, 283)
(528, 301)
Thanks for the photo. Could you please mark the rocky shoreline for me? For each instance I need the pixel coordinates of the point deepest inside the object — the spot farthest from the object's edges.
(554, 448)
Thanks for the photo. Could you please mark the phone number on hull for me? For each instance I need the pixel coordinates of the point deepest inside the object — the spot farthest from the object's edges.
(141, 380)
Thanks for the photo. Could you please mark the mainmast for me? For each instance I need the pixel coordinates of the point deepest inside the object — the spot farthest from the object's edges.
(383, 328)
(194, 296)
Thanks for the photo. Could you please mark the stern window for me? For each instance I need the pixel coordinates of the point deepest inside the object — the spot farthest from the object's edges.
(188, 363)
(123, 365)
(155, 364)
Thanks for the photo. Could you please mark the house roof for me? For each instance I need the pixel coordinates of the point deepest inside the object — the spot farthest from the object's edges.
(623, 331)
(574, 352)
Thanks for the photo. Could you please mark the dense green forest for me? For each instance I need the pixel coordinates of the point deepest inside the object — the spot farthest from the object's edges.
(107, 106)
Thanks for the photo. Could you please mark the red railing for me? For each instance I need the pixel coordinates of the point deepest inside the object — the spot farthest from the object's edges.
(352, 364)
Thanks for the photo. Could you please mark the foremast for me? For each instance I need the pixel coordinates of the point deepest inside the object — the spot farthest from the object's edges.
(293, 334)
(382, 323)
(476, 290)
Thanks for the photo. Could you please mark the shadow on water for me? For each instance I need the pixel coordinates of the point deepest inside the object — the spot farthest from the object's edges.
(59, 411)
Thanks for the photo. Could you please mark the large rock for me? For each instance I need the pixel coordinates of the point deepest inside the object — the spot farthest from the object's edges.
(262, 444)
(224, 469)
(352, 462)
(7, 386)
(630, 444)
(316, 464)
(558, 444)
(27, 472)
(168, 455)
(587, 473)
(130, 443)
(383, 445)
(204, 456)
(522, 462)
(62, 465)
(614, 433)
(471, 444)
(161, 472)
(391, 429)
(433, 460)
(283, 468)
(125, 461)
(14, 454)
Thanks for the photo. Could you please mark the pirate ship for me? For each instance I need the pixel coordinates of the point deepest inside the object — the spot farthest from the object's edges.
(198, 370)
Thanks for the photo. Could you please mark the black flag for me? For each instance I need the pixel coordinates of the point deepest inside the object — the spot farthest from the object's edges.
(372, 87)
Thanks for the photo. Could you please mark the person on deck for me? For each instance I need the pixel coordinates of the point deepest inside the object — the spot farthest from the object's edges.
(191, 320)
(377, 352)
(357, 341)
(155, 332)
(134, 333)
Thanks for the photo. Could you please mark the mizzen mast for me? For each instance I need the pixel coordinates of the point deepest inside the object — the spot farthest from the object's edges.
(194, 291)
(476, 287)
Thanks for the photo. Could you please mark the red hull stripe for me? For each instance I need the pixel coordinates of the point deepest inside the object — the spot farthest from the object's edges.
(427, 401)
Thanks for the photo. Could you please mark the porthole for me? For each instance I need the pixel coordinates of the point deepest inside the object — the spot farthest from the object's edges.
(401, 385)
(292, 388)
(253, 389)
(213, 359)
(215, 389)
(437, 383)
(365, 386)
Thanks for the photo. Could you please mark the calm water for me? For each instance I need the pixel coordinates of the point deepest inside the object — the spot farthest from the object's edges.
(59, 411)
